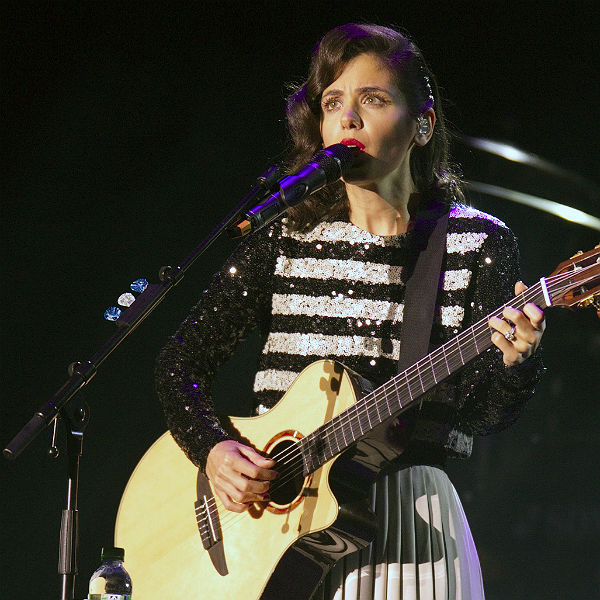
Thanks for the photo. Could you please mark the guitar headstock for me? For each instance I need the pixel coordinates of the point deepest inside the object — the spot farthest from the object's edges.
(576, 282)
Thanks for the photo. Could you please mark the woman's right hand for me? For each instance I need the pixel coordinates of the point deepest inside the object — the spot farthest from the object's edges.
(239, 475)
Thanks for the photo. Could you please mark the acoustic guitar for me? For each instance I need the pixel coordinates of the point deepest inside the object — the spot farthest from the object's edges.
(324, 434)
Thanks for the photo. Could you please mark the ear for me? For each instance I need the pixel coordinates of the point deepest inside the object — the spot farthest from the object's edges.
(421, 139)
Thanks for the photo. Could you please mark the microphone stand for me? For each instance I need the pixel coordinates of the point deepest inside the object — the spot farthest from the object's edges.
(69, 526)
(81, 373)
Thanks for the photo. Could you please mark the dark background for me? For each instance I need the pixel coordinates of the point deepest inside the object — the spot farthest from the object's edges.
(131, 129)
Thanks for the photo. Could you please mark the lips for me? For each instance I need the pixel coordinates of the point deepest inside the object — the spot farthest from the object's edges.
(351, 142)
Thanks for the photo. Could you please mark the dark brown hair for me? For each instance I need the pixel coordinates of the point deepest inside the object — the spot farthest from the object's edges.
(429, 165)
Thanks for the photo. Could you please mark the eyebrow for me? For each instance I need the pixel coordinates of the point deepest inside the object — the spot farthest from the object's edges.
(361, 90)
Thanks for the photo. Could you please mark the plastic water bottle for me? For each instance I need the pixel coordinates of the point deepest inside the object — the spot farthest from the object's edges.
(110, 581)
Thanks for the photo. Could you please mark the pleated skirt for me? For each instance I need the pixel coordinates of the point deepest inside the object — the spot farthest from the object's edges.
(424, 549)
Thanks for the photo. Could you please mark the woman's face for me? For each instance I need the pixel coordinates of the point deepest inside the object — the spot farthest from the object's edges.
(364, 104)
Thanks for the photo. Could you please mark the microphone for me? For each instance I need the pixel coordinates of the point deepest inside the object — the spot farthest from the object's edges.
(325, 167)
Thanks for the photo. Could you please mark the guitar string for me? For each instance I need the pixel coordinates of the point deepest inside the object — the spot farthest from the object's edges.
(411, 379)
(294, 453)
(477, 338)
(474, 331)
(427, 378)
(295, 449)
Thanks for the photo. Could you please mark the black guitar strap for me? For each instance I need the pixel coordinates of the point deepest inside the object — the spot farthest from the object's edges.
(422, 284)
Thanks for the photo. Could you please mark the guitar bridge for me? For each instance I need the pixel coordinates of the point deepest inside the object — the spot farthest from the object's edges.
(207, 516)
(209, 524)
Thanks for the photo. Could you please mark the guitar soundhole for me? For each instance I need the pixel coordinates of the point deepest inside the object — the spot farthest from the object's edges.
(289, 467)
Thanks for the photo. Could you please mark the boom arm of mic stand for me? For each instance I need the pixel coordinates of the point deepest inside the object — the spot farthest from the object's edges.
(81, 373)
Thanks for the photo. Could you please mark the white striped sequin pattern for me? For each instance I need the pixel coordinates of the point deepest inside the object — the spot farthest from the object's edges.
(340, 231)
(462, 243)
(336, 306)
(468, 212)
(330, 268)
(456, 280)
(274, 379)
(317, 344)
(452, 316)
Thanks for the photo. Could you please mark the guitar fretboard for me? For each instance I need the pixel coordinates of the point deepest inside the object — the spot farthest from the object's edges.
(404, 389)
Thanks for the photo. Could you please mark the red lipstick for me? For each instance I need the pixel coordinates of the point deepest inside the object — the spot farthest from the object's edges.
(351, 142)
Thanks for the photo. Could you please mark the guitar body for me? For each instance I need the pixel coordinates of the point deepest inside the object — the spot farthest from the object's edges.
(263, 549)
(329, 437)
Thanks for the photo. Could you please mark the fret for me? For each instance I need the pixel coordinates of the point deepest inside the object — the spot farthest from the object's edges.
(399, 395)
(412, 385)
(483, 341)
(335, 431)
(415, 385)
(478, 345)
(439, 366)
(396, 396)
(462, 360)
(342, 428)
(328, 450)
(376, 405)
(316, 449)
(432, 368)
(466, 348)
(418, 367)
(443, 349)
(472, 329)
(454, 356)
(354, 422)
(407, 386)
(520, 301)
(304, 445)
(381, 401)
(367, 411)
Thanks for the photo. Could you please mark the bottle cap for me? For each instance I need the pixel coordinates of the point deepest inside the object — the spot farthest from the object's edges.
(110, 553)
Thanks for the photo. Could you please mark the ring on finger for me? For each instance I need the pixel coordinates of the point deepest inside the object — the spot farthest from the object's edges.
(510, 334)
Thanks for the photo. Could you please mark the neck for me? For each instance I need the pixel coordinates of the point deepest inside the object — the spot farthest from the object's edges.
(380, 211)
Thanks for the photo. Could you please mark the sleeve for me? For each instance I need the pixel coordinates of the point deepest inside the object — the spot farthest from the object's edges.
(236, 302)
(491, 395)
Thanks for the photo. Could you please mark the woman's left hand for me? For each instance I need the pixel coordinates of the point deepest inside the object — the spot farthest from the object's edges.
(518, 335)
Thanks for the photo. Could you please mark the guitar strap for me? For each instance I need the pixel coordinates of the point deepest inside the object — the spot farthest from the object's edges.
(422, 284)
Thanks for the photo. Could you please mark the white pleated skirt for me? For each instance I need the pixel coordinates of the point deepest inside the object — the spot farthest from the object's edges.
(424, 549)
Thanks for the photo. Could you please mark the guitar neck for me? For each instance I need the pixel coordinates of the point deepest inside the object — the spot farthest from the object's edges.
(404, 389)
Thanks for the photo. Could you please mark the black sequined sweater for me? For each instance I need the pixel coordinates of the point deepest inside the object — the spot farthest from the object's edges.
(337, 292)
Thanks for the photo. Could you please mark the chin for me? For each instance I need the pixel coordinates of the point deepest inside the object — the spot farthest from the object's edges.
(366, 176)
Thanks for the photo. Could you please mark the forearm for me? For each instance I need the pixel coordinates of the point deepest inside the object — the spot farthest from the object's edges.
(234, 304)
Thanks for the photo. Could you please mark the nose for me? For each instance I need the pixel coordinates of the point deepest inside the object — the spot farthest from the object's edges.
(350, 119)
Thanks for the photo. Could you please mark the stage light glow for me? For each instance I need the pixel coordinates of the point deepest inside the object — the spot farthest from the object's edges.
(555, 208)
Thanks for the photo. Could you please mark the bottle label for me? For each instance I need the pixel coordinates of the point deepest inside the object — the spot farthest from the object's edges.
(109, 597)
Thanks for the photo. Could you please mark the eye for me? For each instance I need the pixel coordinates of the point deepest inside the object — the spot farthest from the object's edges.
(374, 99)
(331, 104)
